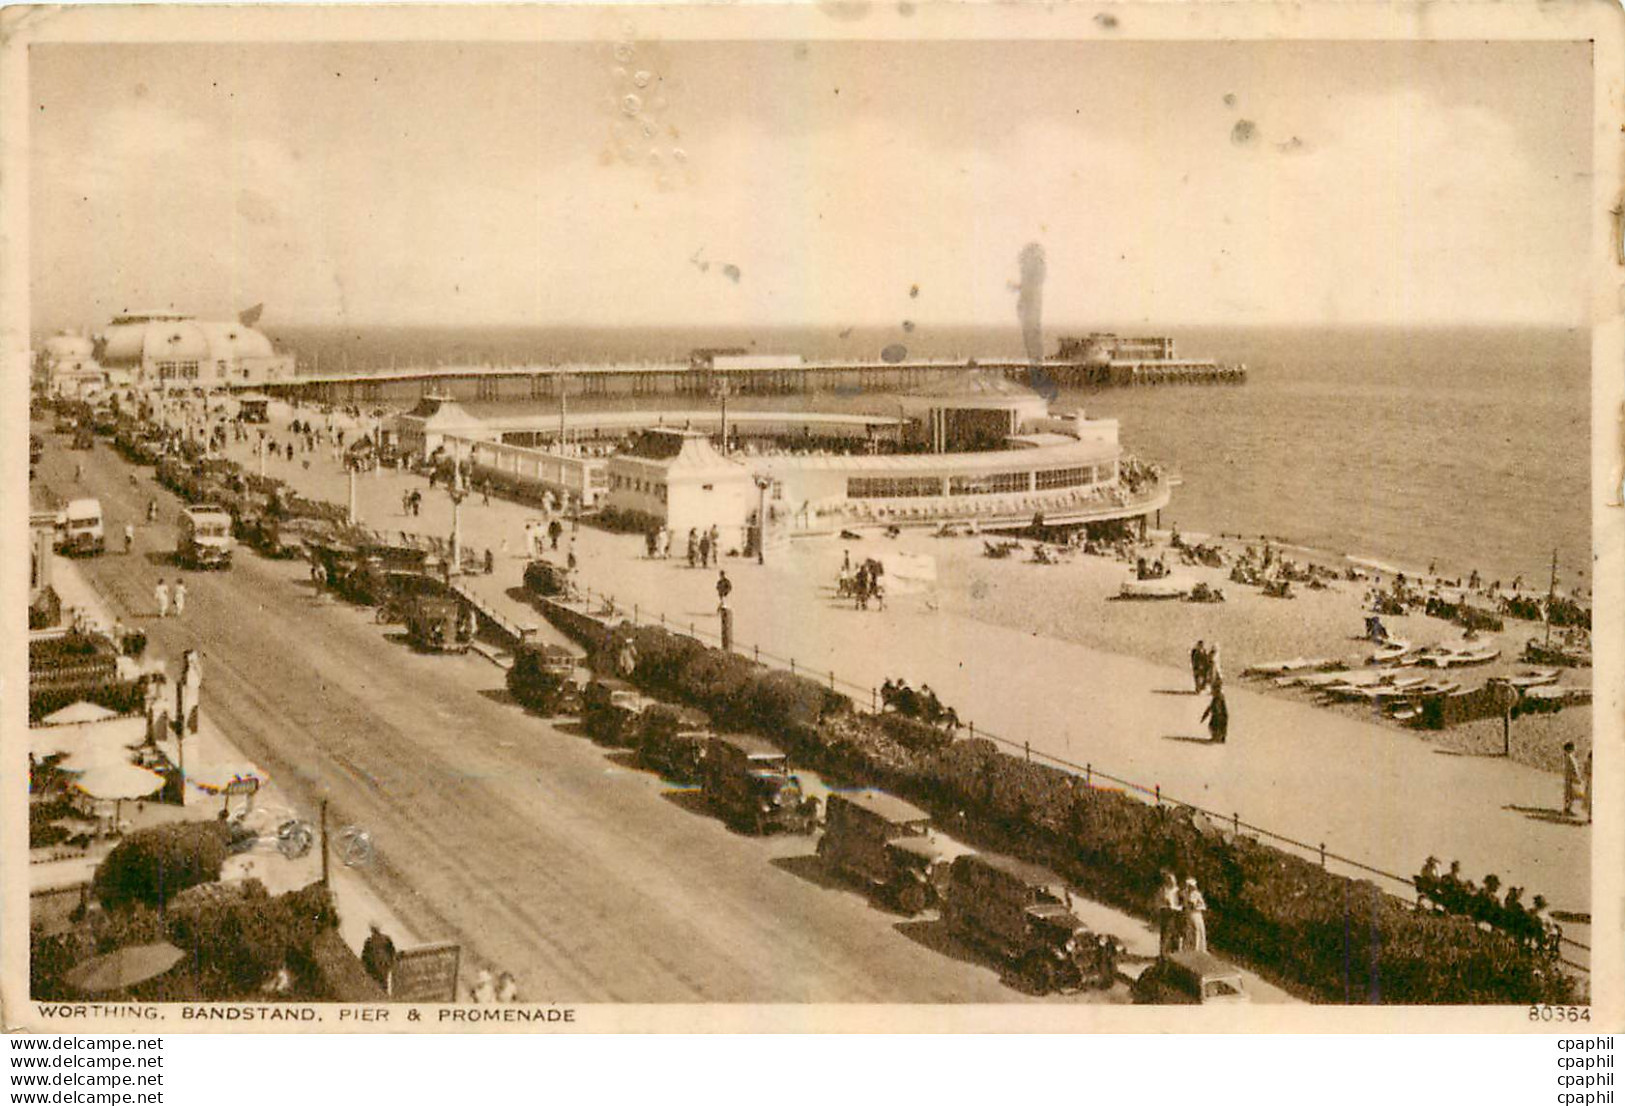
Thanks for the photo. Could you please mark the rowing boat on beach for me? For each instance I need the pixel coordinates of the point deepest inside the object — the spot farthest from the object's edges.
(1392, 651)
(1169, 587)
(1296, 664)
(1445, 657)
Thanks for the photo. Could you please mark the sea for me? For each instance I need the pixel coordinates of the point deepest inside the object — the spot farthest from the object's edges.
(1467, 448)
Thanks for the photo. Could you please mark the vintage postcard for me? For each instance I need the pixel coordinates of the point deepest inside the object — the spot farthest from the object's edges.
(866, 516)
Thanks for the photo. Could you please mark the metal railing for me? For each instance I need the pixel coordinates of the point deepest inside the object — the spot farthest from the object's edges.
(1087, 771)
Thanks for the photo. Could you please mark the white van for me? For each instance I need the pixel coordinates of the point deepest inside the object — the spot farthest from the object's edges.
(205, 540)
(81, 525)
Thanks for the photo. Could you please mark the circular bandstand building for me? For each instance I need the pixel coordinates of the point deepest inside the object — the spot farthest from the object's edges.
(976, 449)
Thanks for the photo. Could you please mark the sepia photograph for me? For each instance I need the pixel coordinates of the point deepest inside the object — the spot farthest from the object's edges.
(902, 513)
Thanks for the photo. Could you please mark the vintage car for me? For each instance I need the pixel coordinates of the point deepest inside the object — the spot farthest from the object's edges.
(1189, 978)
(542, 577)
(611, 710)
(440, 625)
(205, 537)
(672, 741)
(80, 528)
(1023, 914)
(543, 679)
(749, 783)
(887, 843)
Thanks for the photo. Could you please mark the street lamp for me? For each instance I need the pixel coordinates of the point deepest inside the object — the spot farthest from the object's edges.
(458, 493)
(762, 484)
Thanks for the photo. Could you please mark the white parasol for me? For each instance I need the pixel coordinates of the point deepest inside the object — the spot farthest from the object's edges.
(119, 781)
(74, 713)
(89, 742)
(124, 967)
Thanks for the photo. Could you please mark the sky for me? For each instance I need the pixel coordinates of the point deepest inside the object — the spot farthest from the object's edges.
(821, 183)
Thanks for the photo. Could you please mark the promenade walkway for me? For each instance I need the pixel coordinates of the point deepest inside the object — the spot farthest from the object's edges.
(1386, 798)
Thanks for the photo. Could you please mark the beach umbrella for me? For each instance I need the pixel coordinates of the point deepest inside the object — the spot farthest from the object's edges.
(118, 782)
(124, 967)
(74, 713)
(89, 742)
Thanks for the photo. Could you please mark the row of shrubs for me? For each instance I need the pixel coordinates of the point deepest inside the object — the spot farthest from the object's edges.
(118, 696)
(1343, 940)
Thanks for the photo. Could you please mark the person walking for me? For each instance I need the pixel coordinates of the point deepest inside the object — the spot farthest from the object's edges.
(160, 594)
(705, 550)
(1165, 908)
(1198, 665)
(1572, 779)
(725, 588)
(693, 546)
(1212, 669)
(129, 538)
(180, 598)
(1195, 915)
(1217, 717)
(555, 530)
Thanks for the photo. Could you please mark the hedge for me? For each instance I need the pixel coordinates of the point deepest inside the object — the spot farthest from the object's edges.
(118, 696)
(153, 865)
(1341, 939)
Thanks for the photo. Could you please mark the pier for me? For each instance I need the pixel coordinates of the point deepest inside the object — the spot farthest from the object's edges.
(740, 376)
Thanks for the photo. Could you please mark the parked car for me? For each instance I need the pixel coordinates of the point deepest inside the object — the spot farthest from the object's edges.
(205, 538)
(672, 741)
(1023, 914)
(749, 782)
(610, 711)
(543, 679)
(439, 625)
(1190, 978)
(80, 526)
(887, 843)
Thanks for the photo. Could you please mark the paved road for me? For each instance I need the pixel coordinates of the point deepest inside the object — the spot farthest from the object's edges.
(539, 851)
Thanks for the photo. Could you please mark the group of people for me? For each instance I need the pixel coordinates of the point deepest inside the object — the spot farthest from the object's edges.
(168, 600)
(923, 704)
(1449, 893)
(704, 547)
(1207, 674)
(862, 585)
(657, 543)
(1181, 914)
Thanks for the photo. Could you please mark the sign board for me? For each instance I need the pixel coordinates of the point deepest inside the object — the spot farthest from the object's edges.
(427, 973)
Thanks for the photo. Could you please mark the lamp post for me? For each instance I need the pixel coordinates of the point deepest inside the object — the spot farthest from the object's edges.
(349, 468)
(458, 493)
(762, 484)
